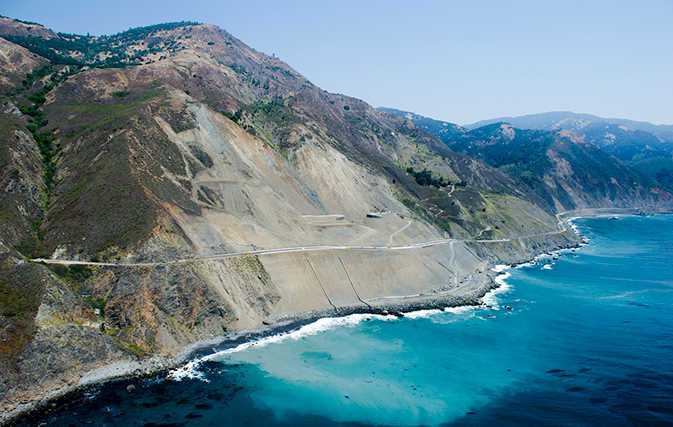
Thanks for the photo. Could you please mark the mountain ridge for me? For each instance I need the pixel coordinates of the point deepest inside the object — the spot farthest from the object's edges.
(646, 147)
(553, 118)
(179, 142)
(643, 151)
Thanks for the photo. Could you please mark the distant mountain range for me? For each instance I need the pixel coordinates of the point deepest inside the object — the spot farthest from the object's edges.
(645, 147)
(573, 121)
(146, 169)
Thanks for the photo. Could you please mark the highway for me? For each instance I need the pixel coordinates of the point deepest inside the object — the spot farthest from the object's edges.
(561, 228)
(254, 252)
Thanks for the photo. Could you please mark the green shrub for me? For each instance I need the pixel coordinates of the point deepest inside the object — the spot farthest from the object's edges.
(410, 204)
(203, 157)
(425, 178)
(28, 246)
(60, 270)
(235, 117)
(98, 303)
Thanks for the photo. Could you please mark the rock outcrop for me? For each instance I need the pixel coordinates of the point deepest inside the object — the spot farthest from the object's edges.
(141, 160)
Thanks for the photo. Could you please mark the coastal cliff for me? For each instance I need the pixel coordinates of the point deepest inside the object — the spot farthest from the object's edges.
(147, 170)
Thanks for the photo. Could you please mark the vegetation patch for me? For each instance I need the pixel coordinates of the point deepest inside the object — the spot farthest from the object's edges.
(75, 274)
(96, 303)
(201, 155)
(425, 178)
(102, 52)
(21, 290)
(235, 117)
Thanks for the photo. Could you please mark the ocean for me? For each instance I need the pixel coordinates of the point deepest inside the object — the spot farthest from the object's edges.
(582, 337)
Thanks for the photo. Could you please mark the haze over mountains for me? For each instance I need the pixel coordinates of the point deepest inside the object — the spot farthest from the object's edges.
(645, 147)
(574, 121)
(142, 157)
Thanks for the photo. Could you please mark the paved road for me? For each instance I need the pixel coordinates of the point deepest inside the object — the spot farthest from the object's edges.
(561, 228)
(266, 252)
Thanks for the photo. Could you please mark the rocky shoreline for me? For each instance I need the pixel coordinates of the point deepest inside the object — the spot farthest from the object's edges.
(478, 285)
(157, 365)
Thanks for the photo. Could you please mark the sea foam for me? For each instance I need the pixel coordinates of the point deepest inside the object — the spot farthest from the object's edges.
(191, 369)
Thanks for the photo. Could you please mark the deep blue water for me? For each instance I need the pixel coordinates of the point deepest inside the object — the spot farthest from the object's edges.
(587, 342)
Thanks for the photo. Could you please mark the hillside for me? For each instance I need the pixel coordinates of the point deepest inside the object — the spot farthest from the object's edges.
(562, 167)
(643, 146)
(644, 152)
(574, 121)
(139, 161)
(444, 130)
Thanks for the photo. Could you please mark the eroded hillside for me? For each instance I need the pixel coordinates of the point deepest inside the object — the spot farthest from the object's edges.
(567, 170)
(146, 156)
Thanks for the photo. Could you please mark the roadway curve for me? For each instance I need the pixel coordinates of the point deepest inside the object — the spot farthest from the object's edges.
(561, 228)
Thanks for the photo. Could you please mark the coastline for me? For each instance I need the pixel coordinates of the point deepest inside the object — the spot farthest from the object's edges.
(481, 283)
(158, 365)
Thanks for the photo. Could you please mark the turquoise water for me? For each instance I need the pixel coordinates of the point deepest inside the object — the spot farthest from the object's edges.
(588, 341)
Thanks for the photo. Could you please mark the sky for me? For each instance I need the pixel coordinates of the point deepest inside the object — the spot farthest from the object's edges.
(457, 61)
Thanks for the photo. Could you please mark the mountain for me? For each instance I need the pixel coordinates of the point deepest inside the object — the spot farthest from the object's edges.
(141, 173)
(646, 147)
(574, 121)
(444, 130)
(563, 168)
(643, 151)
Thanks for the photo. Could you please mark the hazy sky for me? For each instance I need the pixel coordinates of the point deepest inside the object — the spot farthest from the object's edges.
(459, 61)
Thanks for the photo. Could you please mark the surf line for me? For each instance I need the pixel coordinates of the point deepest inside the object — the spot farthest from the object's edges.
(353, 286)
(323, 288)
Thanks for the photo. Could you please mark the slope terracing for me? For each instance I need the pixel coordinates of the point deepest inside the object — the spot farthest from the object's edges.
(138, 176)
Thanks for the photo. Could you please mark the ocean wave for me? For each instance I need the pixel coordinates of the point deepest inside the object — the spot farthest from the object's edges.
(320, 325)
(422, 314)
(188, 371)
(500, 268)
(500, 280)
(491, 297)
(527, 264)
(191, 369)
(462, 309)
(314, 328)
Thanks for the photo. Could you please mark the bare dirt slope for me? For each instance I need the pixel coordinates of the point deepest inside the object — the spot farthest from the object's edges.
(178, 141)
